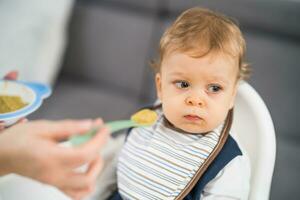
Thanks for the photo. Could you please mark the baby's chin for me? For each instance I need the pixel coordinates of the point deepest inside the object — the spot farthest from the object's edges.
(194, 129)
(189, 128)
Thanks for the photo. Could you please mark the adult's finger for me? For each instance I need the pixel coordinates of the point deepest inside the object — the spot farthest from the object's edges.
(87, 152)
(2, 123)
(86, 180)
(13, 75)
(93, 171)
(94, 168)
(97, 141)
(61, 130)
(77, 180)
(23, 120)
(2, 126)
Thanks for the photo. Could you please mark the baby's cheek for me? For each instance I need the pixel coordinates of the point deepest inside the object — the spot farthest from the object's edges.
(218, 117)
(171, 114)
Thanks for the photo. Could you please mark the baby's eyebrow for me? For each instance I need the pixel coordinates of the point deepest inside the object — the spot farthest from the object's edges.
(219, 79)
(180, 74)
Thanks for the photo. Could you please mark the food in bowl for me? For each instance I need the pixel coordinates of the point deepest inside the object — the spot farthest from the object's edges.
(11, 103)
(24, 98)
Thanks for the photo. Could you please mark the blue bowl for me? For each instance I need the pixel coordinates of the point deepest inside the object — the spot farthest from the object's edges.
(31, 93)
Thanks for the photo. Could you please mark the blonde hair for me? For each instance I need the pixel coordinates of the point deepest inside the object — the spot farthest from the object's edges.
(199, 31)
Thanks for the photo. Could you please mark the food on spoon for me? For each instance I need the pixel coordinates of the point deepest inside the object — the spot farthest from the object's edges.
(144, 117)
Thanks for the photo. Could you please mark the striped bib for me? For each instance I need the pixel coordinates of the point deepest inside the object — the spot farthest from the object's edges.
(158, 162)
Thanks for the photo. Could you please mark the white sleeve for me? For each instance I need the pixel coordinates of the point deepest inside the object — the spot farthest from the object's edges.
(232, 182)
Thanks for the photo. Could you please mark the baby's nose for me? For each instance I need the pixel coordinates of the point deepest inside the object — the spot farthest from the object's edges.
(194, 101)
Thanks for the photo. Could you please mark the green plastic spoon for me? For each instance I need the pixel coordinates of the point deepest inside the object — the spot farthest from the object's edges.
(144, 117)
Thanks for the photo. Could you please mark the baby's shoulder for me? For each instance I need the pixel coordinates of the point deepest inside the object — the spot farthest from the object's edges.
(232, 154)
(236, 159)
(234, 168)
(231, 148)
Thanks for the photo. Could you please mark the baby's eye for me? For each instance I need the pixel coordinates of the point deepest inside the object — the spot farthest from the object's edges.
(182, 84)
(214, 88)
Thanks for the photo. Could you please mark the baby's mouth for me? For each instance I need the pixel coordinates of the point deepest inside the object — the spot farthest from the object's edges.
(193, 118)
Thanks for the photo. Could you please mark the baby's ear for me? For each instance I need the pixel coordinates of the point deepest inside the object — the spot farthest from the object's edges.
(158, 85)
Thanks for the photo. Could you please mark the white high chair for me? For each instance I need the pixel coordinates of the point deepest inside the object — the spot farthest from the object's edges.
(254, 127)
(252, 122)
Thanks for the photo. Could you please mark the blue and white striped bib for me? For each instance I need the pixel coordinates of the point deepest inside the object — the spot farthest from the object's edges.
(158, 162)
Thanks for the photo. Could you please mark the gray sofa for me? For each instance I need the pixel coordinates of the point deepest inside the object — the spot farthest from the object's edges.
(111, 42)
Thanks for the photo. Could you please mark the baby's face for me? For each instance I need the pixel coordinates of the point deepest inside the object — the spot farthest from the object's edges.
(197, 93)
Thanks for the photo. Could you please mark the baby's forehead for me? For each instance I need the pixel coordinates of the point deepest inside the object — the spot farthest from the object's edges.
(200, 73)
(213, 66)
(183, 59)
(200, 53)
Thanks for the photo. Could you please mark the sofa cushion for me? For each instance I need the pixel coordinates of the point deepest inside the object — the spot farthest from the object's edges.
(73, 99)
(145, 5)
(109, 45)
(278, 17)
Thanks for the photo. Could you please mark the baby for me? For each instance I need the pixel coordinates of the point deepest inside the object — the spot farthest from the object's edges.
(189, 152)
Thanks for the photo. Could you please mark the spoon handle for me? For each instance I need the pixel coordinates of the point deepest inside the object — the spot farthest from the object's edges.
(113, 127)
(120, 124)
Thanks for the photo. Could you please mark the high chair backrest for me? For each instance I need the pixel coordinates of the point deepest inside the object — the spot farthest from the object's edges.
(255, 130)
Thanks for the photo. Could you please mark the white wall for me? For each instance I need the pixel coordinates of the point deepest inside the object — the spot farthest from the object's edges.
(33, 37)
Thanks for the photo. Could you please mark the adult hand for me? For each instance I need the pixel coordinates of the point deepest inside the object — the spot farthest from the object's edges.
(13, 75)
(32, 149)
